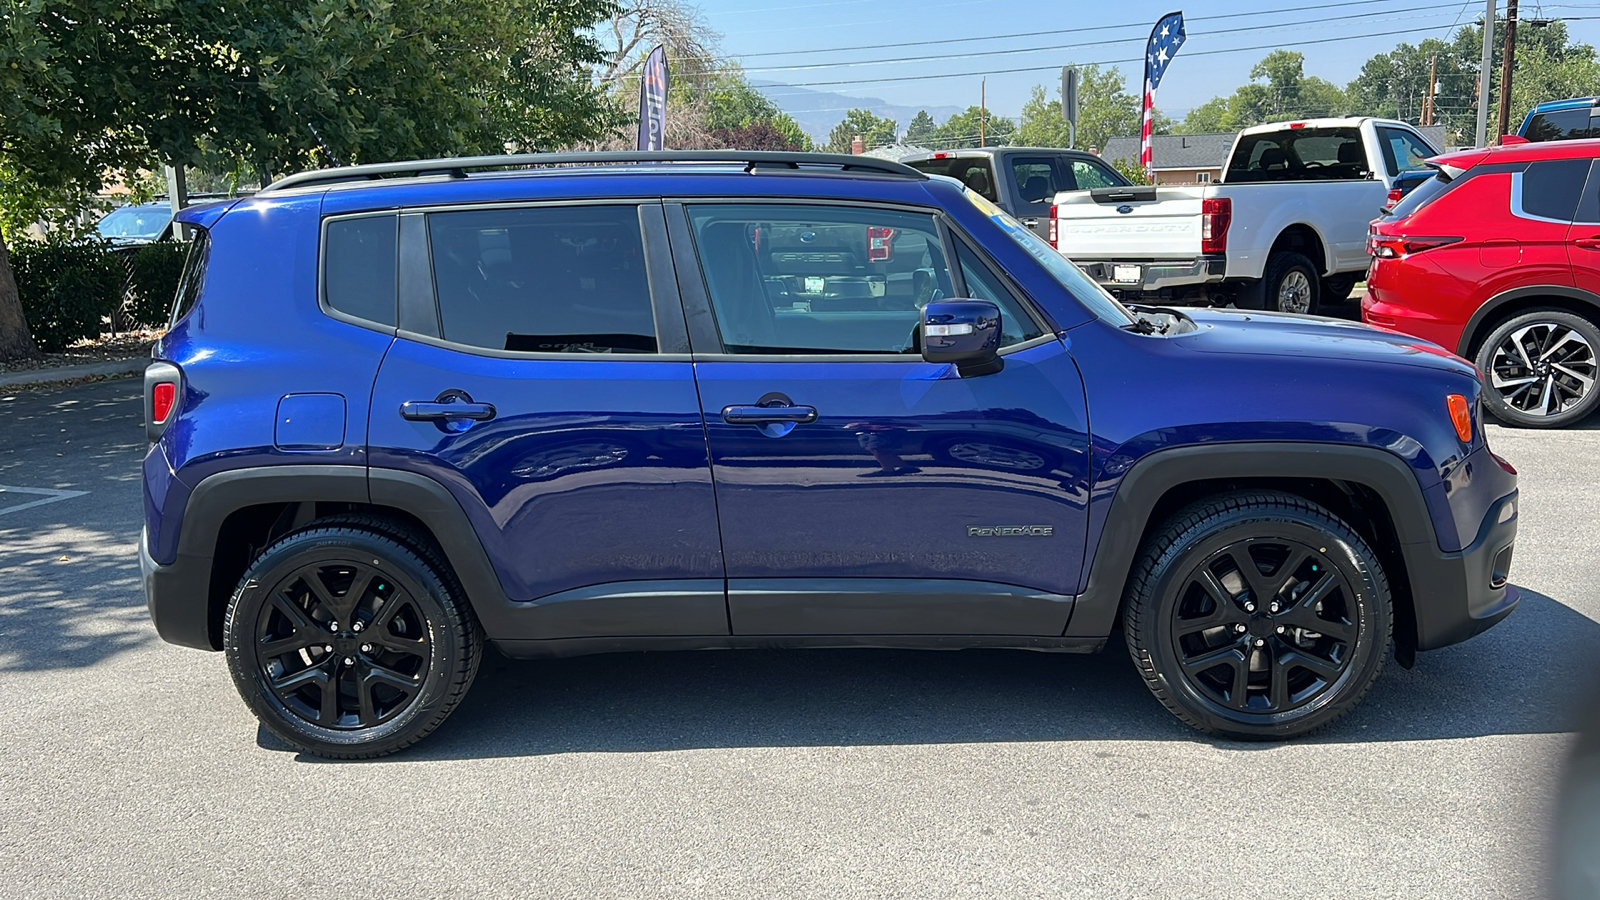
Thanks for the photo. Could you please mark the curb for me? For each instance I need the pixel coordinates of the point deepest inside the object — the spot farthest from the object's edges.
(116, 368)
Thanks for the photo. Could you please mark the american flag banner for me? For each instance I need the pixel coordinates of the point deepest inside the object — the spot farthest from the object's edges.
(1165, 39)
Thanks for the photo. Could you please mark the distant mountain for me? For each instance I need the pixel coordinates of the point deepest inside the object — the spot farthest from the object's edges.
(818, 111)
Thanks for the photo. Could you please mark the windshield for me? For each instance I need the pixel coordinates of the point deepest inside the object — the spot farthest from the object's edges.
(135, 222)
(1079, 285)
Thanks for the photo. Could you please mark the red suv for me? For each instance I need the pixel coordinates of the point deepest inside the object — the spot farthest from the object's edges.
(1497, 257)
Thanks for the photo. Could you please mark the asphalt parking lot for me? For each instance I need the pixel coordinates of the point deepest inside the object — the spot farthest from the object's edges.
(129, 767)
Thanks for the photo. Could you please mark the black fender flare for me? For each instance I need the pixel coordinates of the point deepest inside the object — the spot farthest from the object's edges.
(1095, 611)
(1491, 308)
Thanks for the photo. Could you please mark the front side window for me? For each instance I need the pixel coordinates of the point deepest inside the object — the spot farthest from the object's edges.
(1549, 190)
(566, 279)
(825, 279)
(359, 259)
(1403, 151)
(1090, 175)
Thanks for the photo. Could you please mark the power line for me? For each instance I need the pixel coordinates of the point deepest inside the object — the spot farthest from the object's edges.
(984, 53)
(1107, 62)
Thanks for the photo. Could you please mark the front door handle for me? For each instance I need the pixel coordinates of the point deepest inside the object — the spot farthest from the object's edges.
(1588, 243)
(769, 415)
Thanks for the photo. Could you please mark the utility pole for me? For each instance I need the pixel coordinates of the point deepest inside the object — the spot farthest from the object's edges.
(1483, 76)
(1427, 102)
(1505, 68)
(983, 111)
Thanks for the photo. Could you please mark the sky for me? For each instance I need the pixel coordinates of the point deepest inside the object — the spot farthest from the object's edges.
(799, 43)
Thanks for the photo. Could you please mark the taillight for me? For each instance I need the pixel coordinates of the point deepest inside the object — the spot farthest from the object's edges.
(1395, 196)
(1216, 214)
(1391, 246)
(880, 243)
(1055, 234)
(161, 382)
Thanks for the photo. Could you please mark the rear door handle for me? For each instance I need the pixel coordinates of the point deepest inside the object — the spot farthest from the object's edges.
(1588, 243)
(433, 410)
(768, 415)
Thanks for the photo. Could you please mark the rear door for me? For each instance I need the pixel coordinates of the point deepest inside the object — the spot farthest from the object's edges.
(541, 374)
(862, 490)
(1583, 238)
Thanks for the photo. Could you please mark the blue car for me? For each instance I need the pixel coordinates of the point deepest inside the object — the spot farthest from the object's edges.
(1562, 120)
(586, 403)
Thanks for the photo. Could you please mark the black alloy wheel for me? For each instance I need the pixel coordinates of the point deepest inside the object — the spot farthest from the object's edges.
(346, 642)
(1258, 616)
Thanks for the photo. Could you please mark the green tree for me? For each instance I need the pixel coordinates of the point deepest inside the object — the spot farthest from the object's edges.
(874, 130)
(963, 130)
(733, 103)
(1105, 110)
(1278, 89)
(921, 130)
(90, 87)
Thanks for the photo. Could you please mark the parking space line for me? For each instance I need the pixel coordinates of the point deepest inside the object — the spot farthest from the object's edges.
(46, 496)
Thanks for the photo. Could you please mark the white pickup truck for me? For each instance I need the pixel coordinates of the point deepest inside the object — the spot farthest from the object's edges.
(1285, 227)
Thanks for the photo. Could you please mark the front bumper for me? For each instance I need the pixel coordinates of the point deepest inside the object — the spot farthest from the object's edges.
(1458, 595)
(1155, 274)
(178, 599)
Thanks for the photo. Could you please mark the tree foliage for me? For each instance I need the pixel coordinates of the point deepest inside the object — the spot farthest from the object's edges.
(1278, 89)
(1106, 110)
(874, 130)
(921, 130)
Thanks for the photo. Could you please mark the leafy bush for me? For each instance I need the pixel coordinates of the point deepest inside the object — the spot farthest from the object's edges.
(153, 273)
(66, 289)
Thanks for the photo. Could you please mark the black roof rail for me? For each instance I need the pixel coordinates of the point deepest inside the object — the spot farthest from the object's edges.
(457, 167)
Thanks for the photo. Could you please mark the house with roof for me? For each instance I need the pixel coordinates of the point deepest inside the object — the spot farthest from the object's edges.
(1200, 158)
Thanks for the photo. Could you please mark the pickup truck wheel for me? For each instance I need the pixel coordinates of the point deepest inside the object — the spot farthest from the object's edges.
(1540, 369)
(1337, 289)
(1292, 284)
(1258, 616)
(349, 644)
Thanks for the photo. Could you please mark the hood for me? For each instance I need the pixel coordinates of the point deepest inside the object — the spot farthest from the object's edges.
(1301, 337)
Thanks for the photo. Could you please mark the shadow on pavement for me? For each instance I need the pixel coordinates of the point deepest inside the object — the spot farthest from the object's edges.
(70, 597)
(1515, 679)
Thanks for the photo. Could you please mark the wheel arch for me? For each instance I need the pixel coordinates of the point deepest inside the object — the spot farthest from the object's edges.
(1371, 489)
(1507, 304)
(232, 516)
(1303, 239)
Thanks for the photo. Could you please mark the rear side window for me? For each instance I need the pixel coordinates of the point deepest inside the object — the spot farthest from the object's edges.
(1558, 125)
(1549, 190)
(360, 257)
(550, 279)
(194, 274)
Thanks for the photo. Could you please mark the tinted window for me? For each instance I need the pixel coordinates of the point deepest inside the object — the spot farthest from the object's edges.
(1302, 154)
(1090, 175)
(194, 274)
(974, 172)
(1549, 190)
(983, 283)
(141, 222)
(1558, 125)
(1403, 151)
(818, 279)
(359, 263)
(548, 279)
(1420, 196)
(1038, 180)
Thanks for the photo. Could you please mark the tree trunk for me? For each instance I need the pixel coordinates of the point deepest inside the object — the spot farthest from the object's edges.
(16, 342)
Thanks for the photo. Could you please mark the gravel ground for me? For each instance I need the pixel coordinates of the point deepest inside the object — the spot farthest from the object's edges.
(130, 768)
(129, 345)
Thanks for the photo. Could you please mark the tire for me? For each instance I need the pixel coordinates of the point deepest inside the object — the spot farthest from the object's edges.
(1186, 640)
(1534, 367)
(398, 665)
(1337, 288)
(1291, 284)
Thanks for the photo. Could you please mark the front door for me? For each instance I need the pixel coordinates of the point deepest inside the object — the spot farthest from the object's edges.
(549, 389)
(861, 490)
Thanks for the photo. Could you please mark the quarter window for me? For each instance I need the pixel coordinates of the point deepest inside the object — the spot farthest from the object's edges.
(194, 274)
(1549, 190)
(565, 279)
(359, 262)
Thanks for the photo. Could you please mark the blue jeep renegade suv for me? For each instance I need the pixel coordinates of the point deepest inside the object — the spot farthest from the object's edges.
(586, 403)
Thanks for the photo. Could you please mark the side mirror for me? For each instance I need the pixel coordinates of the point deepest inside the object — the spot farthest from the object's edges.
(964, 332)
